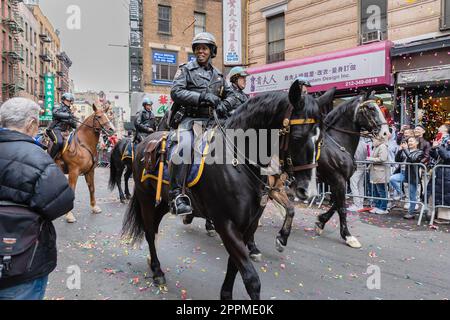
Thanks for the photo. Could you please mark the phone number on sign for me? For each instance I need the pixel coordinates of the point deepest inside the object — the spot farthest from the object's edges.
(361, 82)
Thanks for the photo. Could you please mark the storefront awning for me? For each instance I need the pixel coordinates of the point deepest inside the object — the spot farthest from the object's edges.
(436, 75)
(362, 66)
(420, 46)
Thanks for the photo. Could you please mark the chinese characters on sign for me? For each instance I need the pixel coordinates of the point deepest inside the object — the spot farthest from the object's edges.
(348, 70)
(232, 24)
(49, 97)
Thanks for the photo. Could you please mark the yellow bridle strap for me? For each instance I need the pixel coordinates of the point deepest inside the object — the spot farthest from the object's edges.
(318, 151)
(302, 121)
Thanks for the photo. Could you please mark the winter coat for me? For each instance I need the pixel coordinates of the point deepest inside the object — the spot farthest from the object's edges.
(442, 181)
(29, 177)
(411, 172)
(63, 119)
(379, 172)
(425, 146)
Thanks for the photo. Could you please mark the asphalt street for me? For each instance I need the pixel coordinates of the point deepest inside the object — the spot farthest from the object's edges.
(414, 262)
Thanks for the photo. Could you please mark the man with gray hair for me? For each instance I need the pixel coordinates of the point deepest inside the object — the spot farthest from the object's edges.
(33, 192)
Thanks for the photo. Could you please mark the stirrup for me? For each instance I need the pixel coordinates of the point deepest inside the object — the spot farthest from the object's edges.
(175, 208)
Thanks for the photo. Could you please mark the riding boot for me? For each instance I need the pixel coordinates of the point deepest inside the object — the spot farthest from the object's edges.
(180, 203)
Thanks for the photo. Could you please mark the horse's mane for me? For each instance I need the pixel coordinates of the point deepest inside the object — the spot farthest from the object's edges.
(266, 108)
(339, 110)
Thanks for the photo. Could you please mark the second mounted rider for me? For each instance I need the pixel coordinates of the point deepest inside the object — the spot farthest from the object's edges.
(63, 122)
(145, 121)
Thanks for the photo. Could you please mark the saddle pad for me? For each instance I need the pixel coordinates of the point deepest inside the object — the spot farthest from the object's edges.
(195, 172)
(129, 151)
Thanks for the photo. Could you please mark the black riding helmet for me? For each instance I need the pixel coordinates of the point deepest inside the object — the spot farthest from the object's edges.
(208, 39)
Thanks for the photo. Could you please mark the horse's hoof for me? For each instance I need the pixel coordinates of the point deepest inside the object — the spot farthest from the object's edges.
(122, 200)
(211, 233)
(353, 242)
(257, 257)
(279, 246)
(188, 219)
(318, 229)
(159, 281)
(128, 196)
(70, 218)
(96, 210)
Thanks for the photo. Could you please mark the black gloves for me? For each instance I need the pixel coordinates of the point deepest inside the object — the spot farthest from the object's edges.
(209, 99)
(222, 110)
(150, 130)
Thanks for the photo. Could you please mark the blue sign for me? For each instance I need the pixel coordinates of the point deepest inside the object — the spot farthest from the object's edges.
(191, 58)
(164, 57)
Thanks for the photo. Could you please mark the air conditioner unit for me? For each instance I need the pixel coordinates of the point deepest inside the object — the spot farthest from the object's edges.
(372, 36)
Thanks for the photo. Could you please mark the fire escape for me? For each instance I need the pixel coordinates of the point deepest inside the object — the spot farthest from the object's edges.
(13, 53)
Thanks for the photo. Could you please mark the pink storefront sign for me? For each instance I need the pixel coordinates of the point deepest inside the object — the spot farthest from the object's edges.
(363, 66)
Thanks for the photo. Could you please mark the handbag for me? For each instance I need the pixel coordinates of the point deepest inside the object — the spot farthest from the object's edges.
(20, 229)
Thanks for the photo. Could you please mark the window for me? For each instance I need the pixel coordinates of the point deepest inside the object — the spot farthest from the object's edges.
(26, 31)
(200, 22)
(445, 16)
(275, 45)
(164, 19)
(373, 20)
(164, 66)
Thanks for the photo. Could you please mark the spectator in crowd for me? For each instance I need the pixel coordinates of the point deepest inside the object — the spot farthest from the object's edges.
(30, 184)
(385, 111)
(357, 179)
(424, 145)
(440, 153)
(408, 152)
(379, 174)
(392, 144)
(113, 140)
(404, 134)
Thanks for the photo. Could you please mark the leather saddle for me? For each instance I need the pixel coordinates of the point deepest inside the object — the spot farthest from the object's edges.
(152, 152)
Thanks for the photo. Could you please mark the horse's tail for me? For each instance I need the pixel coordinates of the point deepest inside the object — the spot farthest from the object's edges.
(133, 224)
(112, 171)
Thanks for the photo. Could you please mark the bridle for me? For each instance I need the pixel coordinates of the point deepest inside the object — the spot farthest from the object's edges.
(96, 129)
(371, 121)
(285, 156)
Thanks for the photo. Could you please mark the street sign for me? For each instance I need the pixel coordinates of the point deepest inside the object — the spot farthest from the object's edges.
(49, 100)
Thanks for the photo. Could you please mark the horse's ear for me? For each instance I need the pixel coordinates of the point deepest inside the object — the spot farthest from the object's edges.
(94, 107)
(295, 93)
(325, 101)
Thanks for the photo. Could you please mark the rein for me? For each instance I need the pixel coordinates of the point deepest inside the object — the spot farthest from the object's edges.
(285, 158)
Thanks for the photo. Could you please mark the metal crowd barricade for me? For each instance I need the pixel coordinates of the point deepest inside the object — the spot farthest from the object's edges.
(421, 179)
(434, 206)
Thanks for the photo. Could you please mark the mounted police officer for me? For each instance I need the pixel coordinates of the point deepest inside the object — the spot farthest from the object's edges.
(238, 79)
(63, 121)
(198, 89)
(145, 121)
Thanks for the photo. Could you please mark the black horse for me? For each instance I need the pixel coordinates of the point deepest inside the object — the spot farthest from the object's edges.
(343, 128)
(230, 194)
(118, 164)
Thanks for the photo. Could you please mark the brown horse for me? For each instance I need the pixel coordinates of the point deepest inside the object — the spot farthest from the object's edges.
(80, 156)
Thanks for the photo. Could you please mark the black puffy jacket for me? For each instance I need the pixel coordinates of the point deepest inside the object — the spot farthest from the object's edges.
(28, 176)
(411, 172)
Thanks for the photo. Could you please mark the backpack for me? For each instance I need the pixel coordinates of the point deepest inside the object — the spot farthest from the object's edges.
(20, 229)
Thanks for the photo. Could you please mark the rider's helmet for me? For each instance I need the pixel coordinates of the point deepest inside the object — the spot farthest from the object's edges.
(237, 72)
(302, 81)
(208, 39)
(146, 101)
(68, 97)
